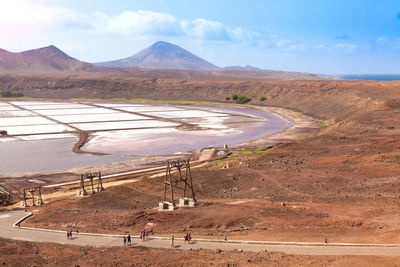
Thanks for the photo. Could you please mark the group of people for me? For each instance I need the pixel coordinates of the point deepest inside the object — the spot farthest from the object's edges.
(188, 238)
(69, 234)
(127, 240)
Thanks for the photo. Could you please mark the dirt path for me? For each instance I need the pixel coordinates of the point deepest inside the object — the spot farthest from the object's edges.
(7, 230)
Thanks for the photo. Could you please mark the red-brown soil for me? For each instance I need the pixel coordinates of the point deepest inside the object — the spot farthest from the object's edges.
(18, 253)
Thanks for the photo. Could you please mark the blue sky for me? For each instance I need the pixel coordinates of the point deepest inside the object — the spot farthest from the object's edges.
(319, 36)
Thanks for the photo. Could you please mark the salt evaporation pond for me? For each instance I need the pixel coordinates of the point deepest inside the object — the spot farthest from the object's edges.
(42, 133)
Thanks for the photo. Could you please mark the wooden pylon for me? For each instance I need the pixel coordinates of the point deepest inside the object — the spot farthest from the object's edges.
(184, 175)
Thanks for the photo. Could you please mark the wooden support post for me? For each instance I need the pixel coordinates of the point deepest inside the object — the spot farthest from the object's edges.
(91, 183)
(165, 182)
(25, 204)
(99, 183)
(40, 200)
(32, 191)
(190, 177)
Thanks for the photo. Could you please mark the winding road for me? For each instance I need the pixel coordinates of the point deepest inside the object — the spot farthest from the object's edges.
(9, 229)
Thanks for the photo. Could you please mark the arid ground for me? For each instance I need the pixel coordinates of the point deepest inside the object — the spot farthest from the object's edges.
(19, 253)
(341, 183)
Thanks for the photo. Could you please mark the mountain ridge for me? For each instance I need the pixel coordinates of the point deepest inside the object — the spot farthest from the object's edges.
(47, 59)
(246, 68)
(52, 60)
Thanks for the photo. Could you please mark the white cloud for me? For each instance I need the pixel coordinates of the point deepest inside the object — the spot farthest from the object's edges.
(31, 16)
(135, 22)
(280, 43)
(20, 17)
(296, 47)
(386, 43)
(205, 29)
(347, 48)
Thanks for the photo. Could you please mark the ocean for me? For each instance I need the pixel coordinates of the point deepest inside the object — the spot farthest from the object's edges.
(375, 77)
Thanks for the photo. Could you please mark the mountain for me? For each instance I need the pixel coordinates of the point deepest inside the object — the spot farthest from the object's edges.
(162, 55)
(53, 61)
(48, 59)
(246, 68)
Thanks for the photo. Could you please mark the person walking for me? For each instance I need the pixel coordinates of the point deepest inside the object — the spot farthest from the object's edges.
(129, 240)
(186, 238)
(172, 242)
(67, 234)
(70, 234)
(124, 240)
(141, 236)
(144, 234)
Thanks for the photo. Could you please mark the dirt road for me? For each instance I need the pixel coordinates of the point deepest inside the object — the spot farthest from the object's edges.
(7, 230)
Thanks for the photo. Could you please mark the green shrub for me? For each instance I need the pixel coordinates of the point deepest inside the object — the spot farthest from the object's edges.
(263, 98)
(227, 98)
(235, 97)
(264, 149)
(8, 93)
(242, 99)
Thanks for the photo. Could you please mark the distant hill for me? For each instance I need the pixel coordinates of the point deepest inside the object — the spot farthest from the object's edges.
(246, 68)
(162, 55)
(48, 59)
(51, 60)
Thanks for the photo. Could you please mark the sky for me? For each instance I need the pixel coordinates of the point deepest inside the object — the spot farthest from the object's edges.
(317, 36)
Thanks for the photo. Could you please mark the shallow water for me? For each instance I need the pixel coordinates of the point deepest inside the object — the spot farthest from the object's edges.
(47, 156)
(38, 153)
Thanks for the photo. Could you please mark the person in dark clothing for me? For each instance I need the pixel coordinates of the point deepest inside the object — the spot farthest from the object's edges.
(186, 238)
(129, 239)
